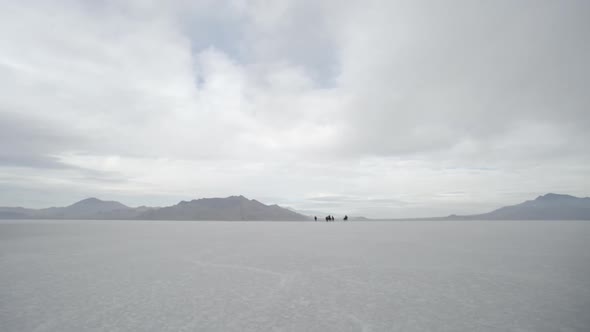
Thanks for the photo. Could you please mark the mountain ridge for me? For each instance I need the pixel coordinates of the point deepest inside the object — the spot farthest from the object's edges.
(550, 206)
(545, 207)
(231, 208)
(223, 209)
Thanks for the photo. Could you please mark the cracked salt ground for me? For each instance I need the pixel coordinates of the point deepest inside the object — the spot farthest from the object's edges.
(216, 276)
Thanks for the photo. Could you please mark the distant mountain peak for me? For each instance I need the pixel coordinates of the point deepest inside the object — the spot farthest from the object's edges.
(546, 207)
(553, 196)
(239, 197)
(89, 200)
(228, 208)
(94, 201)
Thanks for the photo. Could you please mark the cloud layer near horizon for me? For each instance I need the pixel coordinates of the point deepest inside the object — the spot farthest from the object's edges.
(378, 108)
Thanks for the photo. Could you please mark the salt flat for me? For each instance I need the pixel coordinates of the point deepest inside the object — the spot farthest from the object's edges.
(264, 276)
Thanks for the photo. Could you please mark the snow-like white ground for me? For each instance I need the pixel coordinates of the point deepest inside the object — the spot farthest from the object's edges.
(264, 276)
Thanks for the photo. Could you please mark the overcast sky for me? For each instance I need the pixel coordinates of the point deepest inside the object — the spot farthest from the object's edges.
(373, 108)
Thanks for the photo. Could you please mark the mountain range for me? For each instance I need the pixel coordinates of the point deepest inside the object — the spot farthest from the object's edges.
(547, 207)
(229, 208)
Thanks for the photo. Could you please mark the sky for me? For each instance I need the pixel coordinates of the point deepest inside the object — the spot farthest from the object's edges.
(366, 108)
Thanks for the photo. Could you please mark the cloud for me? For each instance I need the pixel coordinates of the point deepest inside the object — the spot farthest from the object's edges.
(371, 104)
(428, 77)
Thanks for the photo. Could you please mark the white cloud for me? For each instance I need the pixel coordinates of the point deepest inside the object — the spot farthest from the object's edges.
(392, 108)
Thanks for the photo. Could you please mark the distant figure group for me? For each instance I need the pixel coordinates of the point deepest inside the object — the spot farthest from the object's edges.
(330, 218)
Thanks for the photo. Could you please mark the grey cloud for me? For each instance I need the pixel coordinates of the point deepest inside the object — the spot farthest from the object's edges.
(473, 71)
(379, 105)
(356, 199)
(31, 161)
(32, 143)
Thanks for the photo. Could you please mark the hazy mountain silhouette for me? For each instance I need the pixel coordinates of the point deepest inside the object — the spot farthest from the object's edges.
(90, 208)
(16, 213)
(230, 208)
(547, 207)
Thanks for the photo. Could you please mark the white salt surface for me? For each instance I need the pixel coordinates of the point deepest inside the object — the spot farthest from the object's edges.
(264, 276)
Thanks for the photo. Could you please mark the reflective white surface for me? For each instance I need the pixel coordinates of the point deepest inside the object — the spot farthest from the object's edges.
(263, 276)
